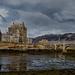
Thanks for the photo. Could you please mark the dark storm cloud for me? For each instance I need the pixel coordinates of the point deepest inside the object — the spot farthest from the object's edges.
(40, 16)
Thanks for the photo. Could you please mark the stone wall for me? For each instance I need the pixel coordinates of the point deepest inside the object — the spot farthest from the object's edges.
(5, 38)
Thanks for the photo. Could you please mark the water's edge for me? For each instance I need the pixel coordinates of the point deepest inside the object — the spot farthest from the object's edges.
(41, 72)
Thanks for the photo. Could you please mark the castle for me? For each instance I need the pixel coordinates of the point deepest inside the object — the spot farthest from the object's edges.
(17, 33)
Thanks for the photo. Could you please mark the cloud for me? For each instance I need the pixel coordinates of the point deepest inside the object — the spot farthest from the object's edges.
(8, 16)
(3, 12)
(65, 15)
(19, 2)
(40, 16)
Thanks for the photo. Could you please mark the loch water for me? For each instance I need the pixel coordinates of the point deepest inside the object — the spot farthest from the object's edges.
(26, 62)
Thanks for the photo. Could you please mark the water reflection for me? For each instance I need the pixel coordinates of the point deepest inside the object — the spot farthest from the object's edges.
(13, 67)
(35, 62)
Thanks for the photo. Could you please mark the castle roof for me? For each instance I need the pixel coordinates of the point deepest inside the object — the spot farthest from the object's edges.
(17, 25)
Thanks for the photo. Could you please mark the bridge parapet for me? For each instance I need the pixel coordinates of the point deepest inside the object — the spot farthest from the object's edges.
(60, 42)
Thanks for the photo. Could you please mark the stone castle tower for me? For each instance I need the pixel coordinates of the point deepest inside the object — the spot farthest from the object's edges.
(17, 33)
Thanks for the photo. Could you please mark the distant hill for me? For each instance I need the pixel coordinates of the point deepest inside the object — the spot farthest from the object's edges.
(56, 37)
(68, 36)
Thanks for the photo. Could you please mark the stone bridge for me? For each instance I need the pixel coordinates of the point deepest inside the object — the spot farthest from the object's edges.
(64, 45)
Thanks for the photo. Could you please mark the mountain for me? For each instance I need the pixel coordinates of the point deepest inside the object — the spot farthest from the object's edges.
(56, 37)
(68, 36)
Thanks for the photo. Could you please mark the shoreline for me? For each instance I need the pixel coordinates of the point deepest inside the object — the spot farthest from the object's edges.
(31, 51)
(37, 52)
(42, 72)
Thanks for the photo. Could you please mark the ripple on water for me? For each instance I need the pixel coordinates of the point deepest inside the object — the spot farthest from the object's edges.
(36, 62)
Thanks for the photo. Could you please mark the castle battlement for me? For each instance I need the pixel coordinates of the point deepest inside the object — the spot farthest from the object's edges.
(17, 25)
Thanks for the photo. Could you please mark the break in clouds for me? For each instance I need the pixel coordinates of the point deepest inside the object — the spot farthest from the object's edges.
(40, 16)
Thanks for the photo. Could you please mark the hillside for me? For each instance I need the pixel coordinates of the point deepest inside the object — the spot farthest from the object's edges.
(56, 37)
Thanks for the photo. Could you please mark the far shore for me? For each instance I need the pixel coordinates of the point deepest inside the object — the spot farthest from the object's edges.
(31, 49)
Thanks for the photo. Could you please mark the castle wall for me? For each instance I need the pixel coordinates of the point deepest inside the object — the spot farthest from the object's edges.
(5, 38)
(11, 39)
(24, 35)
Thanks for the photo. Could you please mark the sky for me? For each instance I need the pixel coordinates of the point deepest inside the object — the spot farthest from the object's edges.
(40, 16)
